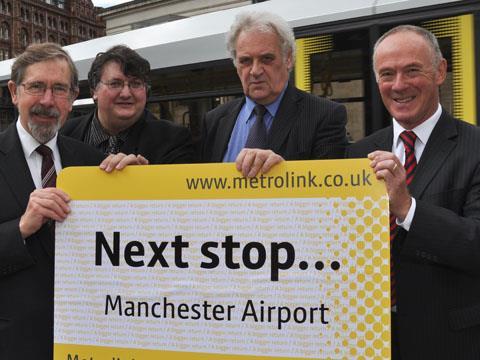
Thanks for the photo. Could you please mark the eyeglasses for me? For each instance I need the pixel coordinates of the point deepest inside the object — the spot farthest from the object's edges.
(117, 85)
(36, 88)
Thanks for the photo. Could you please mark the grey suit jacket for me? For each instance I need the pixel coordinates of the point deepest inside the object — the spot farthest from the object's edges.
(26, 267)
(438, 260)
(305, 127)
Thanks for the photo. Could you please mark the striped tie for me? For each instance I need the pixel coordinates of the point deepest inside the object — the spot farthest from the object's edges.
(410, 164)
(49, 175)
(408, 138)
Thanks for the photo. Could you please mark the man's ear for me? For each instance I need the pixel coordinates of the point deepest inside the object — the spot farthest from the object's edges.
(289, 61)
(441, 72)
(12, 87)
(74, 95)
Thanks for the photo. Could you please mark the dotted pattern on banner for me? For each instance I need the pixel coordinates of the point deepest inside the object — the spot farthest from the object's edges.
(326, 232)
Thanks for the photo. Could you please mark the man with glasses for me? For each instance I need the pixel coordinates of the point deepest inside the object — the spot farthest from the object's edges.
(118, 80)
(43, 86)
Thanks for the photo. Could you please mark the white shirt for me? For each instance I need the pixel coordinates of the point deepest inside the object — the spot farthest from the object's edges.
(34, 159)
(423, 132)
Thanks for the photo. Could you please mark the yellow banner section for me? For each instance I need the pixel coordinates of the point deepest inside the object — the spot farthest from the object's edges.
(290, 179)
(83, 352)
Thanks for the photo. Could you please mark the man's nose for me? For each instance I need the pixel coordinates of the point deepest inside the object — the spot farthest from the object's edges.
(399, 82)
(126, 91)
(47, 97)
(257, 68)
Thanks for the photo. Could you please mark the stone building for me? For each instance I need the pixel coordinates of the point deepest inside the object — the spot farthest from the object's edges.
(33, 21)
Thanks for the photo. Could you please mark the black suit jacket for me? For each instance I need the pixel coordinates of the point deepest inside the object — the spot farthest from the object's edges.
(26, 267)
(160, 141)
(437, 262)
(305, 127)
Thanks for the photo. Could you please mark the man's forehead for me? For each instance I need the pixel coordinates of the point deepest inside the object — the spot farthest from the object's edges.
(33, 70)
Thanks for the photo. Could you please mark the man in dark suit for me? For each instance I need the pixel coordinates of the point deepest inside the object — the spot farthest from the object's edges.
(43, 85)
(295, 125)
(436, 249)
(118, 80)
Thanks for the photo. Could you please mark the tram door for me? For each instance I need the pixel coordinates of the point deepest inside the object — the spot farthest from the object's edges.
(336, 66)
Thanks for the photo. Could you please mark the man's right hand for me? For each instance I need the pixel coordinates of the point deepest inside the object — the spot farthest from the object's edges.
(253, 161)
(43, 205)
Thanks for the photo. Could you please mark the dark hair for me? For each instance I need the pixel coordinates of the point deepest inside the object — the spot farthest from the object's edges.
(36, 53)
(131, 63)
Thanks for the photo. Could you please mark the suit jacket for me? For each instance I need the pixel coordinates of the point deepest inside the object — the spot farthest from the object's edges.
(26, 267)
(305, 127)
(160, 141)
(437, 262)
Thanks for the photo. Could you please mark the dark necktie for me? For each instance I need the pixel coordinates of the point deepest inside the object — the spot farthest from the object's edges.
(49, 175)
(410, 164)
(257, 137)
(113, 146)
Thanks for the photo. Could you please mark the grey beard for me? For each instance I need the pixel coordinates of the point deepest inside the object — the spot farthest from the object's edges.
(43, 133)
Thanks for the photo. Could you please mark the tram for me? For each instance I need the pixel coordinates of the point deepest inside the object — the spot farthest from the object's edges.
(191, 71)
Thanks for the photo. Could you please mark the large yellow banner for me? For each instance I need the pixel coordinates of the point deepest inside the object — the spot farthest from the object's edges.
(197, 262)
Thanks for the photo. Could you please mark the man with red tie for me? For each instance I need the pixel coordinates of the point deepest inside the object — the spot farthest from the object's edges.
(430, 163)
(43, 85)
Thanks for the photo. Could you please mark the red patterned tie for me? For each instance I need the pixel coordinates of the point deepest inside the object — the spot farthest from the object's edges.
(410, 164)
(49, 175)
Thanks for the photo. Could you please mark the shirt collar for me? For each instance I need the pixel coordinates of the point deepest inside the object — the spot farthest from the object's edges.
(423, 131)
(99, 133)
(272, 108)
(29, 143)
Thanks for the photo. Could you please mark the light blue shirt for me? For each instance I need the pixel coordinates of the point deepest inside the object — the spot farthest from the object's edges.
(245, 120)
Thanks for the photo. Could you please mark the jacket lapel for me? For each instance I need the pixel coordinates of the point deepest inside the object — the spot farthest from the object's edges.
(131, 143)
(385, 139)
(287, 115)
(14, 166)
(225, 128)
(441, 142)
(17, 175)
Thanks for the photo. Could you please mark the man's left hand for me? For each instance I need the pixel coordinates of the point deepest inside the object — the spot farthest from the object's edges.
(120, 160)
(389, 168)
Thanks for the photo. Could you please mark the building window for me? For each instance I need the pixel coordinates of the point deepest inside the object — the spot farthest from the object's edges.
(54, 23)
(4, 31)
(35, 18)
(63, 42)
(38, 37)
(9, 8)
(51, 38)
(24, 14)
(24, 37)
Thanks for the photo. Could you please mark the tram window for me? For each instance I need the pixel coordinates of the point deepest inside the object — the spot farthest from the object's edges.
(339, 76)
(446, 89)
(212, 77)
(184, 95)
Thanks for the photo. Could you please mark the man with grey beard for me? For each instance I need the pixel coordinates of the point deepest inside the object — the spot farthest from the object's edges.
(43, 85)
